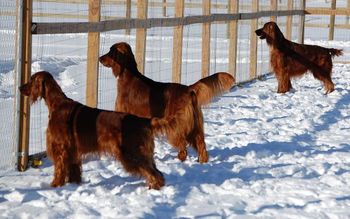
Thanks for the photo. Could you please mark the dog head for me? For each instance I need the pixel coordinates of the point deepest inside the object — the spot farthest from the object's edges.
(119, 58)
(35, 88)
(271, 32)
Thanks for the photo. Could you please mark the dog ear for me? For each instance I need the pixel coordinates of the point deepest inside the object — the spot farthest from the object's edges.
(38, 89)
(124, 56)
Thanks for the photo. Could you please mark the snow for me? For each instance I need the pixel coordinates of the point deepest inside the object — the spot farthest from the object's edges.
(271, 155)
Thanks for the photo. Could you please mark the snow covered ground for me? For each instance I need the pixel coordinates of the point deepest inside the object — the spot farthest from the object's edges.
(271, 155)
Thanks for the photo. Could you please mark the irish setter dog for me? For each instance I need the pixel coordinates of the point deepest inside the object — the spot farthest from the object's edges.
(75, 130)
(139, 95)
(289, 59)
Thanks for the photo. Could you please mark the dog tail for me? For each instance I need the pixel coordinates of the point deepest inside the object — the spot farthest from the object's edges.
(162, 125)
(335, 52)
(198, 120)
(209, 87)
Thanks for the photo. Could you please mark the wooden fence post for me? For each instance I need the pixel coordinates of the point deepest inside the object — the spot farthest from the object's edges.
(232, 57)
(273, 8)
(177, 43)
(302, 23)
(332, 21)
(141, 34)
(206, 41)
(24, 106)
(289, 25)
(164, 8)
(253, 42)
(93, 55)
(348, 17)
(128, 14)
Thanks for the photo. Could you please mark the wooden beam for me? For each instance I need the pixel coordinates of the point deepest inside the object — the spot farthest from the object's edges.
(177, 43)
(274, 7)
(348, 16)
(233, 27)
(93, 55)
(253, 42)
(24, 106)
(301, 23)
(128, 14)
(206, 40)
(332, 21)
(289, 21)
(141, 34)
(327, 11)
(120, 24)
(164, 8)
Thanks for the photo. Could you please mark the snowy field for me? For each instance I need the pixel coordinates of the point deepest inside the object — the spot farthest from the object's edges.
(271, 156)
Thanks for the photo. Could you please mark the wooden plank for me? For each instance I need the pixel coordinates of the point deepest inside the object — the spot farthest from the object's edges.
(301, 30)
(93, 55)
(332, 21)
(289, 21)
(26, 64)
(206, 40)
(177, 43)
(141, 34)
(327, 11)
(274, 7)
(119, 24)
(233, 27)
(128, 14)
(348, 16)
(341, 26)
(164, 8)
(253, 42)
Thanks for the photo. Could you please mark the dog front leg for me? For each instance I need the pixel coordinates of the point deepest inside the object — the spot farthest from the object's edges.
(284, 84)
(60, 172)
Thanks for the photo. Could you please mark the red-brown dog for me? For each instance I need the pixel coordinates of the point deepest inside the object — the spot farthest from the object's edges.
(75, 130)
(144, 97)
(289, 59)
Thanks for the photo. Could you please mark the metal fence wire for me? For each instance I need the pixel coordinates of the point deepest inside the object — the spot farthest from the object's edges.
(8, 11)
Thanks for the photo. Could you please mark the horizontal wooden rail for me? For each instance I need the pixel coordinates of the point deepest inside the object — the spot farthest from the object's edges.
(102, 26)
(327, 11)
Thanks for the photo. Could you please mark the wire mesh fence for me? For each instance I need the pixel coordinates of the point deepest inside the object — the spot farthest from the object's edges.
(8, 11)
(65, 55)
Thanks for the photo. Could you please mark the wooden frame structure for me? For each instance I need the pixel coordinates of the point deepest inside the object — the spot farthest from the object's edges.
(142, 23)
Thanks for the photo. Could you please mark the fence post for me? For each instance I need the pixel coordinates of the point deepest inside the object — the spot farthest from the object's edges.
(348, 17)
(93, 55)
(332, 21)
(128, 14)
(24, 105)
(164, 8)
(289, 24)
(141, 33)
(177, 43)
(302, 23)
(253, 42)
(273, 8)
(206, 40)
(232, 57)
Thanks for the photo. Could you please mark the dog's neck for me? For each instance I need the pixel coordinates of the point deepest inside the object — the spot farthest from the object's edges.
(54, 95)
(133, 75)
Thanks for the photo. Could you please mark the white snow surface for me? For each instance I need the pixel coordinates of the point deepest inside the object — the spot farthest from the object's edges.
(271, 156)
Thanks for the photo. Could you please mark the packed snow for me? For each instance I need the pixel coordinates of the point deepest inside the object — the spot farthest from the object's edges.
(271, 155)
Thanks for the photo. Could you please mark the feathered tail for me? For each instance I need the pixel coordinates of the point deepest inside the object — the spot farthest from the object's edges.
(335, 52)
(162, 125)
(208, 88)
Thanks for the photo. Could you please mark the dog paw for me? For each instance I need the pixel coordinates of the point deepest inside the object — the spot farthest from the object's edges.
(182, 155)
(56, 183)
(203, 158)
